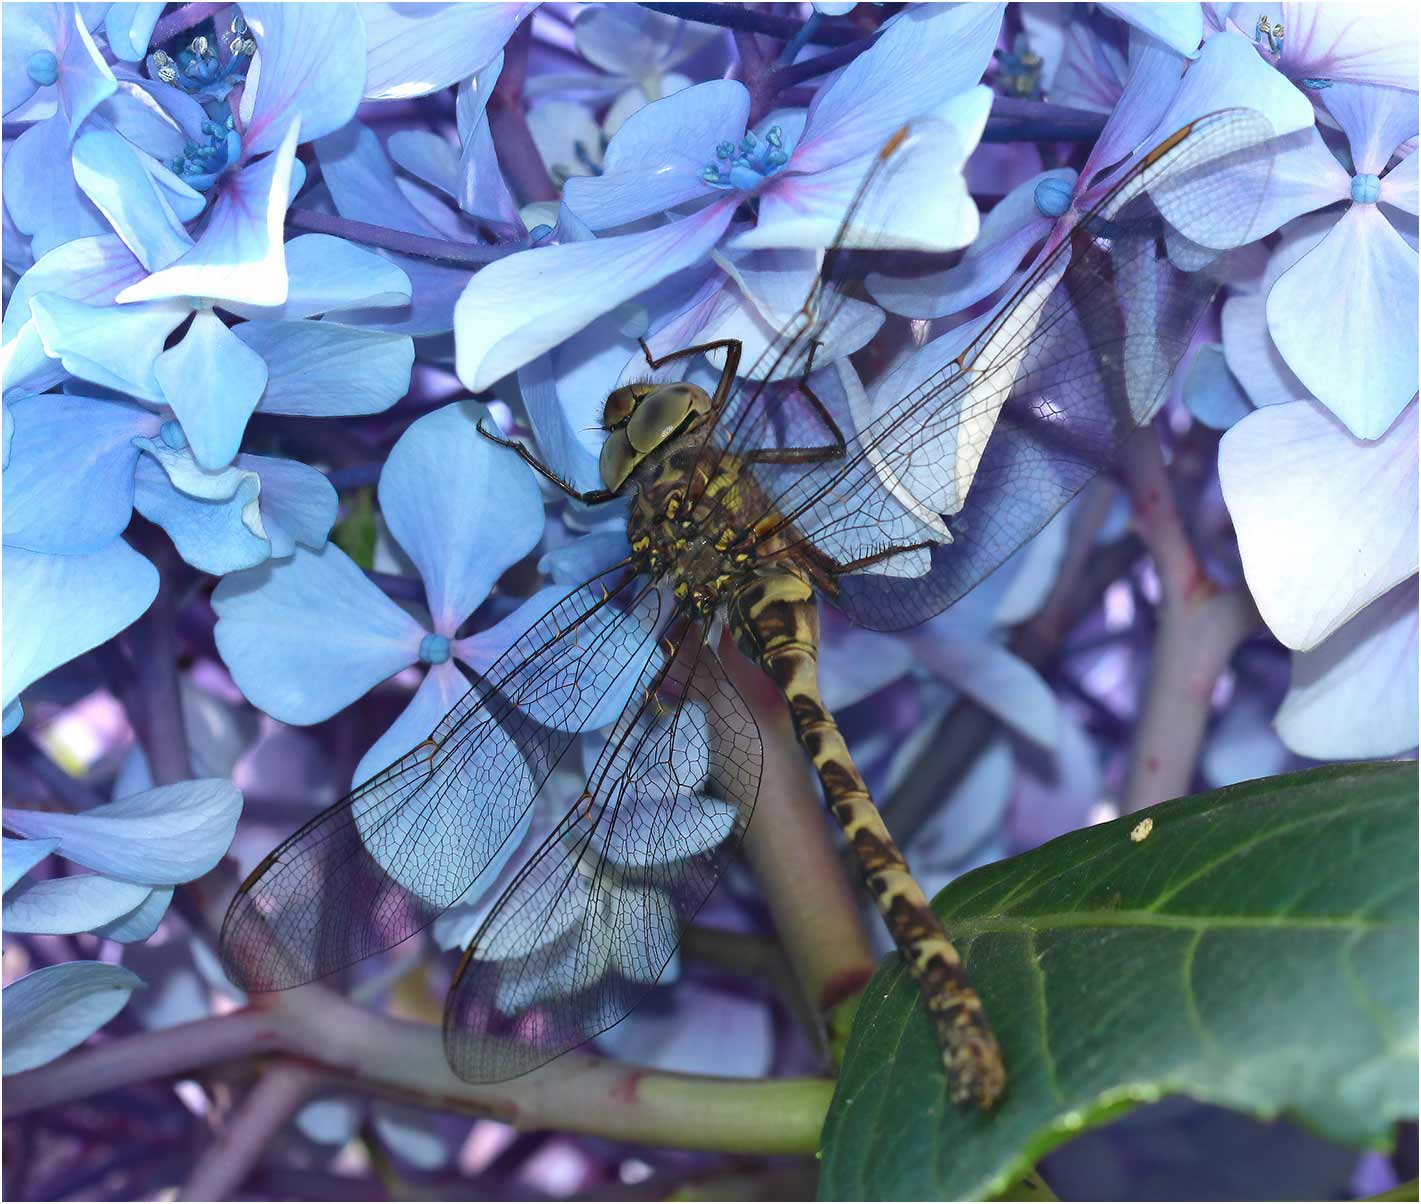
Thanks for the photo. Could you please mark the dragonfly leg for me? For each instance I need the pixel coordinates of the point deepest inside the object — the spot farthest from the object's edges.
(731, 347)
(593, 497)
(836, 449)
(776, 623)
(852, 566)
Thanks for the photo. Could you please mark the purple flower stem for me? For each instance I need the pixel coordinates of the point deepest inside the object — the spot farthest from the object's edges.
(518, 154)
(750, 19)
(820, 64)
(1016, 120)
(241, 1142)
(1201, 625)
(421, 246)
(811, 897)
(182, 19)
(366, 1052)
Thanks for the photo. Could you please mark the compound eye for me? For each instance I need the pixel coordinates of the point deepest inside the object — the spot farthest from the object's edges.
(620, 404)
(617, 460)
(663, 412)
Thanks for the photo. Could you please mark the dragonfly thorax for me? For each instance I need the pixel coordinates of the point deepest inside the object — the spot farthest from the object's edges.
(641, 418)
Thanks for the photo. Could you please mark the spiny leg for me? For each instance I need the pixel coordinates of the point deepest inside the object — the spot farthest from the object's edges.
(776, 623)
(731, 347)
(593, 497)
(835, 450)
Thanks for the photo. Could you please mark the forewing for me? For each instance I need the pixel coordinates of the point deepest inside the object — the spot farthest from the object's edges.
(382, 863)
(1054, 383)
(595, 916)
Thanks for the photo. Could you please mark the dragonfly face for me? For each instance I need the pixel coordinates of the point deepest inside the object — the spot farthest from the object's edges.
(641, 418)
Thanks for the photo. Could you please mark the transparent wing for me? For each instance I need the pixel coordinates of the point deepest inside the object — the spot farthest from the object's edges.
(1044, 394)
(382, 863)
(595, 916)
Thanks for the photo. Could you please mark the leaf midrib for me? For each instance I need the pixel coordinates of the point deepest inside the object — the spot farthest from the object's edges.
(1051, 921)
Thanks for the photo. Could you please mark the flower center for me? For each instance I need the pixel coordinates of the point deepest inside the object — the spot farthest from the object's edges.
(43, 67)
(201, 163)
(172, 434)
(1271, 34)
(201, 74)
(745, 167)
(1366, 189)
(434, 649)
(1052, 197)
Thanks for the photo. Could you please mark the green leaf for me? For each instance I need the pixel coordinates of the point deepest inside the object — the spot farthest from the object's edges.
(355, 534)
(1258, 949)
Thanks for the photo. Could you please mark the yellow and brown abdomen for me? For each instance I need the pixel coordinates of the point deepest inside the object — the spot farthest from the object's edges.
(775, 621)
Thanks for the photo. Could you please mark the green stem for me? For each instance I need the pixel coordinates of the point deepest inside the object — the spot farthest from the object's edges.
(358, 1051)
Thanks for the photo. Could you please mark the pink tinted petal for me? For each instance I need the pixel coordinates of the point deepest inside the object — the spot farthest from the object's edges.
(310, 70)
(240, 256)
(1344, 318)
(1325, 522)
(517, 308)
(1354, 695)
(1341, 42)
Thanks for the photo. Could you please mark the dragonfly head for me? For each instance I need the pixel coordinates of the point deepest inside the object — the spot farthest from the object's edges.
(640, 418)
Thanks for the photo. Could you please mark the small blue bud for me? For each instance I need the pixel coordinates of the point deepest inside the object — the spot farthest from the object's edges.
(1052, 197)
(1366, 189)
(43, 67)
(434, 649)
(172, 434)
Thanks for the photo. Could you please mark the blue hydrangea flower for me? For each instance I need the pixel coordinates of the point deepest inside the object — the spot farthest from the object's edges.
(309, 636)
(694, 149)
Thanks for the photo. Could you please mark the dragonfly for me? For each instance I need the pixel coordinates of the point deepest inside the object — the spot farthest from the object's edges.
(750, 504)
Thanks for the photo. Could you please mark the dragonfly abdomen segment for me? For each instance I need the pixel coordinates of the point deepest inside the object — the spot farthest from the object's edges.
(776, 623)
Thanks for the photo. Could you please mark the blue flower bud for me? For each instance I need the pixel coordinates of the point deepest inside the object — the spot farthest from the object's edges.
(434, 649)
(43, 67)
(1366, 189)
(172, 434)
(1052, 197)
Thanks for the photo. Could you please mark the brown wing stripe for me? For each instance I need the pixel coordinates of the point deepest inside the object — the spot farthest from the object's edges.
(777, 624)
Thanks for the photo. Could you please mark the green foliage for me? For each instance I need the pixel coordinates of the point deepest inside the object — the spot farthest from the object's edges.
(1258, 949)
(356, 532)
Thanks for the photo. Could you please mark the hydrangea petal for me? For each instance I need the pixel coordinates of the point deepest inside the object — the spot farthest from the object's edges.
(93, 270)
(1304, 176)
(415, 51)
(161, 837)
(140, 923)
(636, 43)
(1336, 530)
(860, 663)
(240, 255)
(687, 1038)
(310, 69)
(1375, 120)
(1252, 357)
(322, 368)
(20, 857)
(116, 347)
(52, 1010)
(1354, 694)
(1212, 394)
(78, 903)
(482, 191)
(1007, 233)
(69, 485)
(1398, 186)
(144, 202)
(1178, 26)
(990, 675)
(1326, 41)
(925, 58)
(443, 491)
(27, 28)
(306, 637)
(1243, 745)
(85, 80)
(128, 28)
(57, 607)
(655, 161)
(595, 354)
(213, 382)
(968, 817)
(583, 558)
(298, 503)
(218, 527)
(329, 275)
(1358, 359)
(42, 197)
(440, 690)
(515, 309)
